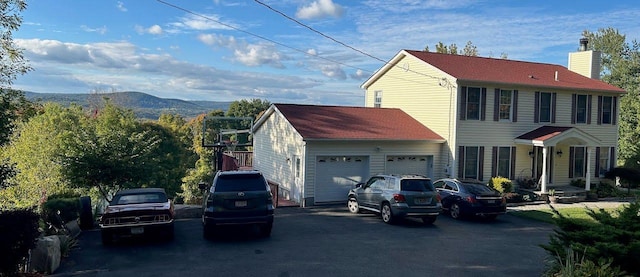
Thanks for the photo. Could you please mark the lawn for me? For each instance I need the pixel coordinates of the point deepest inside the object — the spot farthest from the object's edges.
(547, 215)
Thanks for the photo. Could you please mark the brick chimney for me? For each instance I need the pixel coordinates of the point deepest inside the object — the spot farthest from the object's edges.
(585, 62)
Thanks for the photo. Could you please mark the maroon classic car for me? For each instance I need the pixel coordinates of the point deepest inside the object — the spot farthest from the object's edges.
(137, 212)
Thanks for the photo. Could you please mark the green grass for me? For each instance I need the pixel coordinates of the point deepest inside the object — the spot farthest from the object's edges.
(547, 215)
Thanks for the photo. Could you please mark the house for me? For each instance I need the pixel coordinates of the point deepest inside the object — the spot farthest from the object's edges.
(317, 153)
(499, 117)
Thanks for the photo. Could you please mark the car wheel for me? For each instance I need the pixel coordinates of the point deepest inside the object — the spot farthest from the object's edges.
(107, 237)
(265, 231)
(386, 214)
(454, 211)
(354, 208)
(427, 220)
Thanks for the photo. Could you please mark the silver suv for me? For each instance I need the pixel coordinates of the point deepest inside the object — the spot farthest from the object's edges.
(396, 196)
(238, 198)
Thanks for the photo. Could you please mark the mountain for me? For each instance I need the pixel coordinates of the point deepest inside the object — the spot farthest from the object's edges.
(144, 106)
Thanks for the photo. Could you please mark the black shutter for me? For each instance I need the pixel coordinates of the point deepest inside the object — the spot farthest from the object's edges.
(597, 174)
(481, 163)
(494, 161)
(589, 104)
(573, 108)
(599, 109)
(514, 116)
(463, 103)
(496, 105)
(513, 163)
(461, 162)
(553, 107)
(483, 112)
(571, 161)
(536, 108)
(612, 157)
(614, 110)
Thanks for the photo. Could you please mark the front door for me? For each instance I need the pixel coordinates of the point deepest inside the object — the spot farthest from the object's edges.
(537, 164)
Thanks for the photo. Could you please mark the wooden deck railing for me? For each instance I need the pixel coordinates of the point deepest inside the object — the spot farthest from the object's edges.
(244, 158)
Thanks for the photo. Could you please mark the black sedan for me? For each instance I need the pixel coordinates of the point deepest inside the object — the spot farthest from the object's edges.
(462, 198)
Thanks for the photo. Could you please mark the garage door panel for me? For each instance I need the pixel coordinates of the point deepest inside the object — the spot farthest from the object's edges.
(336, 175)
(407, 165)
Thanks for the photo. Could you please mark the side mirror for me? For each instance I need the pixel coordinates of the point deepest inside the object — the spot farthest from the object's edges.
(359, 185)
(202, 185)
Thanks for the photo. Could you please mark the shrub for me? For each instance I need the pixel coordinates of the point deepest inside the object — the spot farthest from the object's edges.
(526, 183)
(614, 239)
(606, 190)
(69, 210)
(18, 234)
(501, 184)
(579, 183)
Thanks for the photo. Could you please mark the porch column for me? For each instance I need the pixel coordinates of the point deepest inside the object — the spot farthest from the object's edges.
(543, 184)
(587, 185)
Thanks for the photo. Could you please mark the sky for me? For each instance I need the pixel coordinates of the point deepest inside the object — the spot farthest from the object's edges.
(283, 51)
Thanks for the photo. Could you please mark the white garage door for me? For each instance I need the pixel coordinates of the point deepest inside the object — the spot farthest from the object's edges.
(336, 175)
(421, 165)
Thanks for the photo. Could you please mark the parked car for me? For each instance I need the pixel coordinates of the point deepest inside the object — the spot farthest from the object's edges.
(468, 198)
(238, 198)
(136, 212)
(396, 196)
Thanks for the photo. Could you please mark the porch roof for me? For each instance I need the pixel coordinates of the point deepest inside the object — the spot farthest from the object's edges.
(552, 135)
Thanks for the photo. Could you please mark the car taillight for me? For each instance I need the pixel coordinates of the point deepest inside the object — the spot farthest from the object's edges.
(438, 198)
(471, 199)
(399, 197)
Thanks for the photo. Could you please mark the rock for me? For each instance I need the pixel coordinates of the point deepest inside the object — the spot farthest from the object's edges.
(45, 257)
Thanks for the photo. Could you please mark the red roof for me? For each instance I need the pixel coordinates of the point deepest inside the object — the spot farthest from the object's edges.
(503, 71)
(544, 133)
(354, 123)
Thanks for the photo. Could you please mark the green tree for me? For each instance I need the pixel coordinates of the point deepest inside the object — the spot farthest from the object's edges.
(621, 67)
(468, 50)
(248, 108)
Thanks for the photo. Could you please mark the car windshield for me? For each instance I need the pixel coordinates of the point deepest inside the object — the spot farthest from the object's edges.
(416, 185)
(239, 182)
(139, 198)
(478, 189)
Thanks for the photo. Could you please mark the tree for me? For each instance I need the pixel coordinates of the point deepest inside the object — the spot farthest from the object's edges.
(469, 49)
(621, 67)
(247, 108)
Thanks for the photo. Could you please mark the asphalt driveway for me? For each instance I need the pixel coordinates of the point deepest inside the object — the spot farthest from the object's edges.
(325, 241)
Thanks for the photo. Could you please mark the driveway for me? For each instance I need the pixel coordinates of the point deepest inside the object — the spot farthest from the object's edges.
(326, 241)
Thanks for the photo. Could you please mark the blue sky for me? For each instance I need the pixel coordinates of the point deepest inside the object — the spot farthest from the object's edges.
(223, 50)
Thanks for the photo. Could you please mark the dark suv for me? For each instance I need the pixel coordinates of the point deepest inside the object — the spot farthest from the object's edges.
(238, 198)
(395, 196)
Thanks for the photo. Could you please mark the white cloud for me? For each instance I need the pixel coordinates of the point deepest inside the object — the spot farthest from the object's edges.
(101, 30)
(153, 30)
(245, 53)
(312, 52)
(121, 6)
(320, 9)
(200, 23)
(333, 71)
(359, 75)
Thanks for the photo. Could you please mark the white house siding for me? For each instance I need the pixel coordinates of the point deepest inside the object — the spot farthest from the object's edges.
(376, 151)
(276, 144)
(489, 133)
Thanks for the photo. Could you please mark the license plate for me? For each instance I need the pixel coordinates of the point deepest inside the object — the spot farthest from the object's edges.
(240, 204)
(137, 230)
(421, 201)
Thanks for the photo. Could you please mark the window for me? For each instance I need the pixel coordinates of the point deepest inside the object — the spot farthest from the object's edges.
(377, 101)
(504, 162)
(471, 160)
(578, 162)
(473, 103)
(505, 105)
(581, 109)
(545, 107)
(603, 160)
(607, 109)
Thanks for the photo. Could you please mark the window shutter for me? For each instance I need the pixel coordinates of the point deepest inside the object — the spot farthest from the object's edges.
(494, 161)
(481, 163)
(463, 103)
(573, 108)
(513, 163)
(483, 112)
(599, 109)
(597, 171)
(551, 159)
(461, 162)
(536, 108)
(514, 109)
(614, 110)
(553, 107)
(589, 100)
(571, 161)
(496, 105)
(612, 157)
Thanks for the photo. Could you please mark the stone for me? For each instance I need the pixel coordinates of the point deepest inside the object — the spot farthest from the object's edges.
(45, 257)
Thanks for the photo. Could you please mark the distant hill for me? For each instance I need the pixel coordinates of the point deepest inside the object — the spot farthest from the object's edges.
(144, 106)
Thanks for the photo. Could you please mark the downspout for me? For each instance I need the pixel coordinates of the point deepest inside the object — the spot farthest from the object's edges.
(303, 164)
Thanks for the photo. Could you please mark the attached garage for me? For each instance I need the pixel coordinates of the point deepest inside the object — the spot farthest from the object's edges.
(422, 165)
(337, 174)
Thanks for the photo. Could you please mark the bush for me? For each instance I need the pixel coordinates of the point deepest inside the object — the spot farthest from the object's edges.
(501, 184)
(609, 238)
(69, 210)
(578, 183)
(18, 234)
